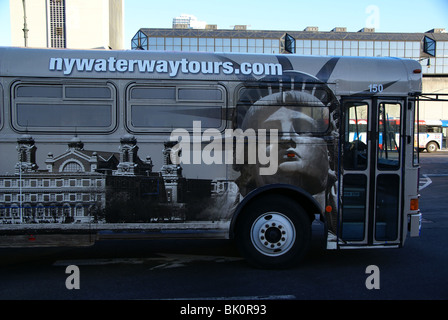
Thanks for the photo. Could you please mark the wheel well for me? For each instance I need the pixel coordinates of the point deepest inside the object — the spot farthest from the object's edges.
(305, 200)
(433, 141)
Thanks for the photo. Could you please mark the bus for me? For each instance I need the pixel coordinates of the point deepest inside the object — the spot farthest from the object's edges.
(102, 144)
(430, 136)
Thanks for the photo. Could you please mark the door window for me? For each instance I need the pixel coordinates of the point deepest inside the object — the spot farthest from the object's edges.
(389, 128)
(355, 137)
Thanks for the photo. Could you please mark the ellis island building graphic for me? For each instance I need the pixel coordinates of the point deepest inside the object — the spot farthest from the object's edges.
(85, 186)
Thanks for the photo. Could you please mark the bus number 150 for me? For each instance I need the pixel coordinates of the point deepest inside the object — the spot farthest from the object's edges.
(376, 87)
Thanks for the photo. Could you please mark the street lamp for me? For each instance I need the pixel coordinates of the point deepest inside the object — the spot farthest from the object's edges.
(25, 28)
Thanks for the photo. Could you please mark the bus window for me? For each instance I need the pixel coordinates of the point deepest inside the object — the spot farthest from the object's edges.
(79, 92)
(40, 116)
(192, 94)
(355, 136)
(166, 94)
(149, 107)
(39, 91)
(387, 207)
(58, 107)
(389, 128)
(180, 116)
(435, 129)
(354, 207)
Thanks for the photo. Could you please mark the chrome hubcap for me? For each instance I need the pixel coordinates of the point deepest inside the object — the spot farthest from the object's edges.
(273, 234)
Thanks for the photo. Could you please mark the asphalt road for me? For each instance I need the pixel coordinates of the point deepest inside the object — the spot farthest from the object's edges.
(212, 270)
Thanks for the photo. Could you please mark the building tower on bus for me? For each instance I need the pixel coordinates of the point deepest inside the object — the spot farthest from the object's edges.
(26, 154)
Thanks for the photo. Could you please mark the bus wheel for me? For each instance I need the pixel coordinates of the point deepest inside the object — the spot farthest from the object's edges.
(431, 147)
(273, 232)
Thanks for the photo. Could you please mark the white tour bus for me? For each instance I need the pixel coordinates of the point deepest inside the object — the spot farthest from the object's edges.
(101, 144)
(430, 136)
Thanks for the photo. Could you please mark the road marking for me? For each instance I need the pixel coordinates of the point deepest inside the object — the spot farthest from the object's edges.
(163, 261)
(424, 182)
(99, 262)
(181, 260)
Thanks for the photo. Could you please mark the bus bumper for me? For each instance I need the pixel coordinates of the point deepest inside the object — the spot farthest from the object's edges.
(415, 224)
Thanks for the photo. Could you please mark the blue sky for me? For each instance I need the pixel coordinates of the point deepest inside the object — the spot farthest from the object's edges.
(384, 15)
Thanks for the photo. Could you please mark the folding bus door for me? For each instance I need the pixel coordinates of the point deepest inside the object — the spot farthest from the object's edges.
(371, 175)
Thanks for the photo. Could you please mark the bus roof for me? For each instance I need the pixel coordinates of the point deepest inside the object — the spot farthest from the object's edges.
(344, 75)
(437, 123)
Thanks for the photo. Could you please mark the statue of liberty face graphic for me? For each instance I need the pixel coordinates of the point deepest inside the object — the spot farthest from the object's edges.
(302, 109)
(301, 120)
(305, 113)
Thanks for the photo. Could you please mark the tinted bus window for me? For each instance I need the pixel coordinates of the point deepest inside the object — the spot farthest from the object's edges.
(54, 91)
(156, 108)
(63, 115)
(154, 93)
(63, 107)
(178, 116)
(200, 94)
(88, 92)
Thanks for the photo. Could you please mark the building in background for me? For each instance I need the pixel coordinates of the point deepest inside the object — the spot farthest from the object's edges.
(430, 48)
(187, 21)
(81, 24)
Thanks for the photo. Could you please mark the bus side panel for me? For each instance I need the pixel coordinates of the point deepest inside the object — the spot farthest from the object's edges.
(91, 140)
(81, 180)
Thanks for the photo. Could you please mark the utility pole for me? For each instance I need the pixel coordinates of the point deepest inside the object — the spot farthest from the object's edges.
(25, 28)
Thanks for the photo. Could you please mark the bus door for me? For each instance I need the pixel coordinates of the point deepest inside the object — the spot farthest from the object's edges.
(371, 172)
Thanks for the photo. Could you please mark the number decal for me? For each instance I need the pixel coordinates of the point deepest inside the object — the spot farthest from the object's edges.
(374, 87)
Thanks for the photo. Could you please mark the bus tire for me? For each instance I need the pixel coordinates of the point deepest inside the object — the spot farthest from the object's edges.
(432, 147)
(273, 232)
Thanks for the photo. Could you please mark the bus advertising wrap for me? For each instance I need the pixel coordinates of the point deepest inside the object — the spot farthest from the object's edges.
(237, 146)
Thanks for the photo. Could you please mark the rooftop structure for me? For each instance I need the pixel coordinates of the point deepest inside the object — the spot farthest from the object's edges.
(430, 48)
